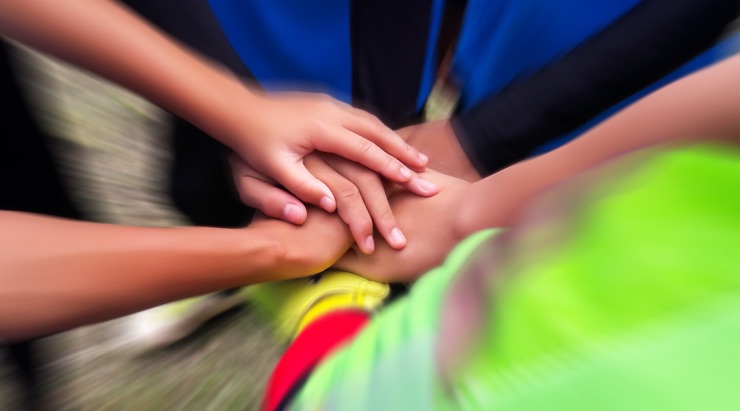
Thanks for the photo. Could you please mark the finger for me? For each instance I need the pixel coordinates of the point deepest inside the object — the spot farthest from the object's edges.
(420, 186)
(273, 201)
(349, 145)
(350, 204)
(258, 191)
(371, 128)
(373, 194)
(303, 184)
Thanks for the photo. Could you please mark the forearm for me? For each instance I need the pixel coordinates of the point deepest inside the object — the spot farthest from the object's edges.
(107, 39)
(702, 107)
(57, 274)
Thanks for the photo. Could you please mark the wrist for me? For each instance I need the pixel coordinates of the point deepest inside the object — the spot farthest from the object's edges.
(260, 256)
(497, 200)
(211, 259)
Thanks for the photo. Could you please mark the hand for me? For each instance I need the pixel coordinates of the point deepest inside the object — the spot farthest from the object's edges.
(281, 130)
(304, 250)
(361, 199)
(437, 140)
(429, 226)
(360, 193)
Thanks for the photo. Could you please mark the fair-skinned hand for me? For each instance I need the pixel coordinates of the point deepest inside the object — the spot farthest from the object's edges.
(429, 225)
(272, 132)
(276, 134)
(438, 141)
(361, 197)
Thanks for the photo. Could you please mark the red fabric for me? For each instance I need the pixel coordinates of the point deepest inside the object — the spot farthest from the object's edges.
(314, 343)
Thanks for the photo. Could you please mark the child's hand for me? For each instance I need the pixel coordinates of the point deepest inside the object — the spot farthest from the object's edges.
(275, 134)
(360, 194)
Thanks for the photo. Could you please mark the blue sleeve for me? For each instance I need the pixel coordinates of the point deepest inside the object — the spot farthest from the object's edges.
(509, 108)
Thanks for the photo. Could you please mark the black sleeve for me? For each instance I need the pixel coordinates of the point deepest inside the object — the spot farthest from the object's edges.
(193, 23)
(647, 43)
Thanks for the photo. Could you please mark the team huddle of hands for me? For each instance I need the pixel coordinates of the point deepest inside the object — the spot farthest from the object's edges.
(397, 211)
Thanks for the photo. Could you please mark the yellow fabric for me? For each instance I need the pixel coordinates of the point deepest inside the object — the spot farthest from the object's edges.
(294, 304)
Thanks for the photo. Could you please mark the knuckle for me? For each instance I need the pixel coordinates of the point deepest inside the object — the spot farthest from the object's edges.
(349, 192)
(380, 128)
(386, 214)
(364, 177)
(366, 146)
(318, 125)
(368, 178)
(328, 105)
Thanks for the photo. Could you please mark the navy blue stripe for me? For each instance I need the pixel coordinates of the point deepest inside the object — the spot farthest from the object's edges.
(506, 40)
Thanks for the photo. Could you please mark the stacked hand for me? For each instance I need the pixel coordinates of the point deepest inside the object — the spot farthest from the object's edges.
(301, 250)
(325, 153)
(429, 224)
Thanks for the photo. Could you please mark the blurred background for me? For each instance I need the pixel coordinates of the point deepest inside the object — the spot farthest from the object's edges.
(112, 146)
(113, 149)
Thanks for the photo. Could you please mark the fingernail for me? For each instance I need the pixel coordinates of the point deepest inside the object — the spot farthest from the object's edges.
(397, 237)
(369, 244)
(423, 158)
(327, 204)
(291, 213)
(427, 186)
(405, 173)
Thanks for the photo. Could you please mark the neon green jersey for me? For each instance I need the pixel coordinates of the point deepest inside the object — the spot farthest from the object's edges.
(632, 302)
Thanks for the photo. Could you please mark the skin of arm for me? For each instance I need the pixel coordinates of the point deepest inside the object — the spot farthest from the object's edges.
(271, 133)
(702, 107)
(57, 274)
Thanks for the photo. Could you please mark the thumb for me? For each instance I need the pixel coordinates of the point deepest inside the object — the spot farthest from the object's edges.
(300, 182)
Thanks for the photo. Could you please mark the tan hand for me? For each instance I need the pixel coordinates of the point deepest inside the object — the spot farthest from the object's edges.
(438, 141)
(306, 249)
(428, 223)
(360, 194)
